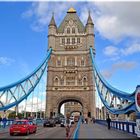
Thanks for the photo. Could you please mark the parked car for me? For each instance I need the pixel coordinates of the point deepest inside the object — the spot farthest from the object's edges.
(38, 121)
(72, 120)
(22, 127)
(49, 122)
(63, 122)
(58, 120)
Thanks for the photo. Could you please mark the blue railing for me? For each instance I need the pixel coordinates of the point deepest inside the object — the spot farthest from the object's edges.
(129, 127)
(8, 123)
(76, 132)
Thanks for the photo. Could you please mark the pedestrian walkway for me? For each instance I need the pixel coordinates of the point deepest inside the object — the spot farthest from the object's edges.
(4, 130)
(97, 131)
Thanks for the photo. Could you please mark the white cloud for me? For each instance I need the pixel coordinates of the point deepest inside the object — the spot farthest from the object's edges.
(42, 13)
(125, 65)
(116, 20)
(6, 61)
(115, 53)
(134, 48)
(113, 20)
(111, 51)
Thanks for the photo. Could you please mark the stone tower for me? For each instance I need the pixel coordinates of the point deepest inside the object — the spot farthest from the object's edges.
(70, 74)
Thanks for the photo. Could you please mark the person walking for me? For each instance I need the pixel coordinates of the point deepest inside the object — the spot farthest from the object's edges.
(108, 121)
(93, 119)
(0, 121)
(67, 126)
(4, 122)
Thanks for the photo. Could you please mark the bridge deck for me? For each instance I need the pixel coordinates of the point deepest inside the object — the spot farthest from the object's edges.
(94, 131)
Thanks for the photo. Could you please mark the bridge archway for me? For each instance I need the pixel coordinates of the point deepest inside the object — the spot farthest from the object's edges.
(55, 105)
(69, 100)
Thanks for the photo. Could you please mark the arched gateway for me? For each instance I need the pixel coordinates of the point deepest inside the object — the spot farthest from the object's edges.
(70, 74)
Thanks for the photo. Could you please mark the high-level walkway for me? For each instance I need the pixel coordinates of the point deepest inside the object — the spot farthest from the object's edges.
(98, 131)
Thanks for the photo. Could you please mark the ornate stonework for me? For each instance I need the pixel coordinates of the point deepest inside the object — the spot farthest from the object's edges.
(70, 74)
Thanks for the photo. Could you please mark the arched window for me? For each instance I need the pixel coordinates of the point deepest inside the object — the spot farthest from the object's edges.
(70, 61)
(58, 62)
(73, 30)
(82, 63)
(68, 30)
(63, 40)
(68, 40)
(78, 40)
(56, 81)
(73, 40)
(84, 81)
(62, 81)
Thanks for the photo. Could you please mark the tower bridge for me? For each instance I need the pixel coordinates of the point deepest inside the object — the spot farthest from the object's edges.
(72, 75)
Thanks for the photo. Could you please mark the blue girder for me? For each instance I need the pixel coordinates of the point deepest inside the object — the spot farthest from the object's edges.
(40, 69)
(131, 97)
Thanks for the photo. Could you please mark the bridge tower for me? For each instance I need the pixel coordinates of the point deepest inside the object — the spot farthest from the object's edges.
(70, 74)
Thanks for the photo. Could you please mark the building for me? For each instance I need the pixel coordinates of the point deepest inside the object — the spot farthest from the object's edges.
(70, 73)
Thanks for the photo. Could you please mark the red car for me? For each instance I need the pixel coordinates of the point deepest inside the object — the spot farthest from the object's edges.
(22, 127)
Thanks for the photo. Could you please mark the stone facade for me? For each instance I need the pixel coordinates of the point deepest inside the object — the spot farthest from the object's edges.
(72, 107)
(70, 73)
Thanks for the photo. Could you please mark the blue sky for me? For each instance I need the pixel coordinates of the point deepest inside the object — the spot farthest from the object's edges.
(24, 29)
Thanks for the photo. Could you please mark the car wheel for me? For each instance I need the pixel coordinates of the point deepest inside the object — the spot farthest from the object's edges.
(27, 133)
(11, 134)
(35, 130)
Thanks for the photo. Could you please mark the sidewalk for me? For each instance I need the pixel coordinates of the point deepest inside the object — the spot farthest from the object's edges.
(94, 131)
(4, 130)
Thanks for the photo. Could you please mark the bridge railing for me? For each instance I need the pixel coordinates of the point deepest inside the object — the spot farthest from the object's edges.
(125, 126)
(8, 123)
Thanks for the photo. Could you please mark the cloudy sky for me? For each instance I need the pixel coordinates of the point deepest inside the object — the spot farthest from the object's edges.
(24, 29)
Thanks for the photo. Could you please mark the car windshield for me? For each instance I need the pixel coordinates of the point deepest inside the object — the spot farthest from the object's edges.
(19, 122)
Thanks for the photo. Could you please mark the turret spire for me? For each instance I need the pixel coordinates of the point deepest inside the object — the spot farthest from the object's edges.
(71, 10)
(89, 20)
(52, 22)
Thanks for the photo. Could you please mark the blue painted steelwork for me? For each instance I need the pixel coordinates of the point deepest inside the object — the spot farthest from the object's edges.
(76, 132)
(120, 125)
(116, 101)
(15, 93)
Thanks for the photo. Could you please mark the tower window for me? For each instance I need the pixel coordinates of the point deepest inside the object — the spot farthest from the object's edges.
(63, 40)
(73, 30)
(58, 62)
(68, 30)
(68, 40)
(73, 40)
(78, 40)
(56, 81)
(70, 61)
(82, 62)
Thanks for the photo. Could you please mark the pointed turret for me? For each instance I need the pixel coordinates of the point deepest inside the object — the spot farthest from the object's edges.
(89, 20)
(71, 10)
(90, 32)
(52, 22)
(52, 32)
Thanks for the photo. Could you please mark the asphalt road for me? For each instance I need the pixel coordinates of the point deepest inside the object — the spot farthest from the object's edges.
(47, 133)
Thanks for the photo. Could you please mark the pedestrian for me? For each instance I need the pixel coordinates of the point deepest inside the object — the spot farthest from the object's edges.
(67, 126)
(16, 118)
(0, 121)
(83, 120)
(4, 122)
(93, 119)
(86, 120)
(108, 121)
